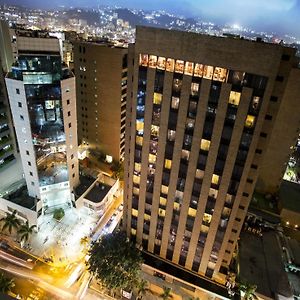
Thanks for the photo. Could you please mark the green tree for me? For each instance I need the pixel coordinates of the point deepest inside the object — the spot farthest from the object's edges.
(166, 294)
(10, 222)
(58, 214)
(25, 230)
(116, 262)
(142, 289)
(248, 290)
(118, 170)
(6, 284)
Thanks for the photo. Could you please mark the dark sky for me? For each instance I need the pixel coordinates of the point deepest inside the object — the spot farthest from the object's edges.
(282, 16)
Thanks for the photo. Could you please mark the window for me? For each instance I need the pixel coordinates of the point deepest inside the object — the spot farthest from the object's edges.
(215, 179)
(144, 60)
(170, 65)
(268, 117)
(164, 189)
(22, 117)
(285, 57)
(69, 125)
(154, 130)
(234, 230)
(73, 175)
(175, 102)
(27, 152)
(220, 74)
(245, 194)
(73, 166)
(157, 98)
(279, 78)
(263, 134)
(161, 63)
(208, 72)
(189, 67)
(258, 151)
(194, 89)
(204, 145)
(72, 156)
(18, 91)
(234, 98)
(230, 241)
(139, 140)
(171, 135)
(253, 166)
(32, 183)
(30, 173)
(168, 163)
(152, 61)
(152, 158)
(69, 114)
(19, 104)
(198, 71)
(226, 251)
(68, 102)
(29, 163)
(238, 220)
(274, 99)
(179, 66)
(241, 207)
(249, 121)
(249, 180)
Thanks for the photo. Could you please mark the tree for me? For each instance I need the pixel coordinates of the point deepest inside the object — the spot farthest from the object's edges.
(118, 170)
(6, 284)
(248, 290)
(115, 262)
(84, 241)
(58, 214)
(142, 288)
(10, 222)
(166, 294)
(25, 231)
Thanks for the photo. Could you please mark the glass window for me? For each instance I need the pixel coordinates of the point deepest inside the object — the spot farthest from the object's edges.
(152, 61)
(163, 201)
(188, 70)
(170, 65)
(157, 98)
(192, 212)
(161, 63)
(134, 212)
(179, 66)
(139, 140)
(139, 126)
(177, 83)
(220, 74)
(185, 154)
(152, 158)
(198, 71)
(137, 167)
(255, 102)
(208, 72)
(146, 217)
(175, 102)
(133, 231)
(171, 135)
(190, 123)
(249, 121)
(207, 218)
(161, 212)
(234, 98)
(176, 206)
(136, 191)
(168, 163)
(154, 130)
(164, 189)
(215, 179)
(204, 145)
(136, 179)
(194, 88)
(199, 174)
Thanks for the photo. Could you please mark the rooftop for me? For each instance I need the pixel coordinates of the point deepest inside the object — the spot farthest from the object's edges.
(289, 195)
(85, 182)
(98, 192)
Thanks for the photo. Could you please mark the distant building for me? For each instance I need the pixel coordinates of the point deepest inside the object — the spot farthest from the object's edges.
(101, 82)
(43, 104)
(202, 114)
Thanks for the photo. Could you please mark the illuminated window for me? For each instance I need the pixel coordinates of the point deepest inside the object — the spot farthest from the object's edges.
(188, 69)
(152, 61)
(255, 102)
(161, 63)
(152, 158)
(215, 179)
(133, 231)
(208, 72)
(192, 212)
(204, 228)
(164, 189)
(190, 123)
(185, 154)
(170, 65)
(204, 145)
(168, 163)
(154, 130)
(220, 74)
(146, 217)
(175, 102)
(134, 212)
(136, 179)
(139, 126)
(199, 174)
(161, 212)
(163, 201)
(249, 121)
(176, 206)
(213, 193)
(136, 191)
(179, 66)
(177, 83)
(171, 135)
(198, 71)
(194, 88)
(206, 218)
(157, 98)
(139, 140)
(137, 167)
(234, 98)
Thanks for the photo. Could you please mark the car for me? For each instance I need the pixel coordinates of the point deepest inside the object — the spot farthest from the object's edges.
(4, 245)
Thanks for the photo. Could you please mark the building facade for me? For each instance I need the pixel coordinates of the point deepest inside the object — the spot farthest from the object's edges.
(101, 82)
(42, 99)
(199, 118)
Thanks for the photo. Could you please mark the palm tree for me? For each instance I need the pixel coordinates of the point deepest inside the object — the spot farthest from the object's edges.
(10, 222)
(166, 295)
(25, 231)
(248, 290)
(142, 289)
(6, 284)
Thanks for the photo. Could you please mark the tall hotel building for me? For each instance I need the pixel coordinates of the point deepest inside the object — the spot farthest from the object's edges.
(101, 82)
(42, 98)
(200, 116)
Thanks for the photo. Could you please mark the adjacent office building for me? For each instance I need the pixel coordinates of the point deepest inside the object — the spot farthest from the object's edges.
(201, 113)
(101, 82)
(42, 98)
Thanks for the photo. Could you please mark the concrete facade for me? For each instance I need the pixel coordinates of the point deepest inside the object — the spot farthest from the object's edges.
(101, 77)
(199, 119)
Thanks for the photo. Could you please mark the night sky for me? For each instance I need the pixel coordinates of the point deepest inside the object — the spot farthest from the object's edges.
(282, 16)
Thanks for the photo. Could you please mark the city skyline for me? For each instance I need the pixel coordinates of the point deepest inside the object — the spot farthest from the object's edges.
(278, 16)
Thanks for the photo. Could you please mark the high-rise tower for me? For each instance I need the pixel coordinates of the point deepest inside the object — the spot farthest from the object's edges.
(199, 119)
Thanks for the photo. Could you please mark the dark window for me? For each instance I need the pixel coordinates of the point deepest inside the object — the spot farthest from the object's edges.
(69, 125)
(285, 57)
(32, 183)
(238, 220)
(21, 117)
(72, 166)
(69, 114)
(268, 117)
(30, 173)
(234, 230)
(279, 78)
(245, 194)
(258, 151)
(73, 175)
(27, 152)
(274, 98)
(83, 49)
(241, 207)
(19, 104)
(230, 241)
(29, 163)
(18, 91)
(249, 180)
(226, 251)
(72, 156)
(68, 101)
(263, 134)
